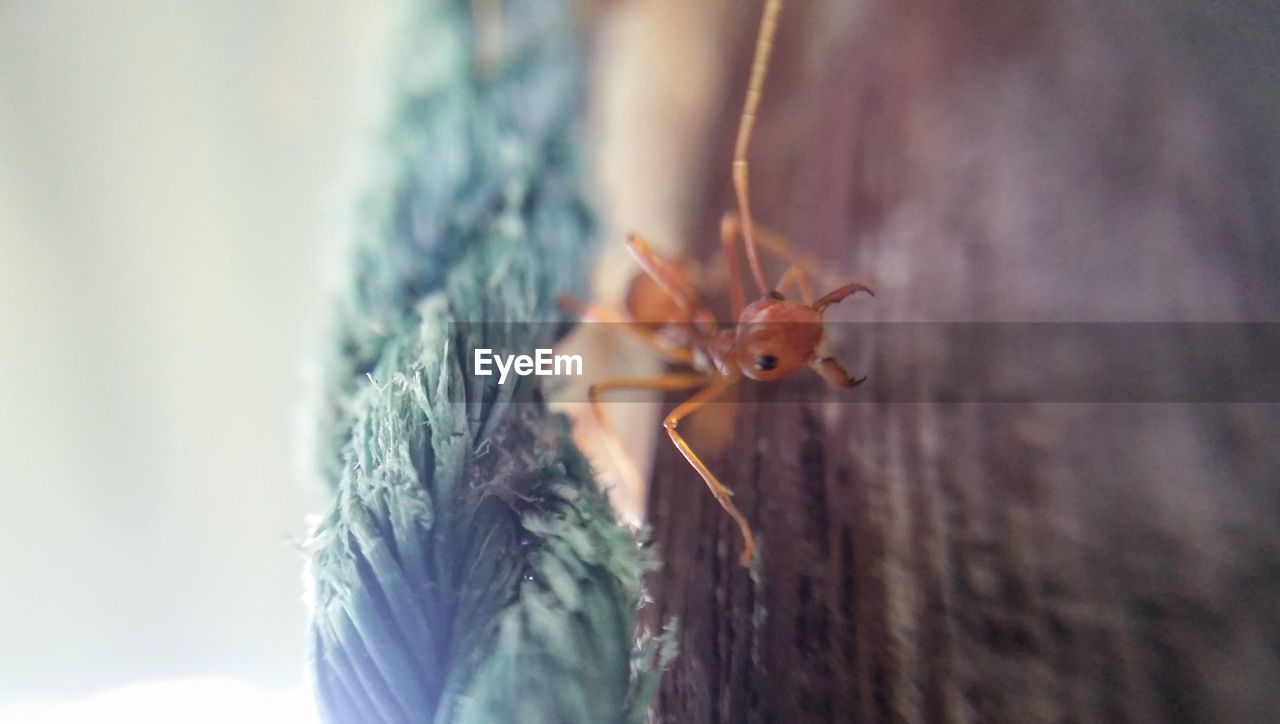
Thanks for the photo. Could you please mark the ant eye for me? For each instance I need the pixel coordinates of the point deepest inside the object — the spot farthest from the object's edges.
(766, 362)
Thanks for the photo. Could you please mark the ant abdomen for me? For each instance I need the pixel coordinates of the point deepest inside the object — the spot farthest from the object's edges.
(649, 304)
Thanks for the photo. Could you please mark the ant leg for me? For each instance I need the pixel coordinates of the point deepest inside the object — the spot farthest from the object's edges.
(731, 226)
(797, 275)
(759, 66)
(626, 465)
(830, 298)
(770, 239)
(721, 493)
(590, 310)
(832, 372)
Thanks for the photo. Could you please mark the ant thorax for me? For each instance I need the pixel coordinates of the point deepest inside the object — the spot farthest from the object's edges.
(716, 354)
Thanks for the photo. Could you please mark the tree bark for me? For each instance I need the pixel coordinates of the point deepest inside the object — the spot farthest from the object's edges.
(1016, 160)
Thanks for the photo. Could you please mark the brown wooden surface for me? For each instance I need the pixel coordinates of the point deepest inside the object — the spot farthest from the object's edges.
(1014, 160)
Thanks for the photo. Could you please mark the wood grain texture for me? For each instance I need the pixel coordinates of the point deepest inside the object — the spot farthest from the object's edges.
(1017, 160)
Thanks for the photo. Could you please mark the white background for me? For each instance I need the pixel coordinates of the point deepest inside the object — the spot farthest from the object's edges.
(166, 171)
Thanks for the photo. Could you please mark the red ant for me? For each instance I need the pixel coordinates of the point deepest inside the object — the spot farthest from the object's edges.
(774, 336)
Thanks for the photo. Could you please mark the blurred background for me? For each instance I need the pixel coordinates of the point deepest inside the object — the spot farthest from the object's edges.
(166, 169)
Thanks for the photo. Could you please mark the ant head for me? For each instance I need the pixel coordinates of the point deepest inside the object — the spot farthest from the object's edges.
(776, 337)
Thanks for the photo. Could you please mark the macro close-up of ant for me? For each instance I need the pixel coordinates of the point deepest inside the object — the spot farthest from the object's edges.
(333, 396)
(774, 336)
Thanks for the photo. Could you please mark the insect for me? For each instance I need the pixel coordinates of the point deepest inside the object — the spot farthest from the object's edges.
(774, 337)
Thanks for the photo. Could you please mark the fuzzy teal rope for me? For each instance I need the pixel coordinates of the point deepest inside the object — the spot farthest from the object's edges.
(469, 569)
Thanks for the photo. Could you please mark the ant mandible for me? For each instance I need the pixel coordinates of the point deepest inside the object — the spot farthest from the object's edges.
(774, 336)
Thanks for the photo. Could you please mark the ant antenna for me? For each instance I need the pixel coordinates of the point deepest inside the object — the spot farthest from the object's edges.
(759, 66)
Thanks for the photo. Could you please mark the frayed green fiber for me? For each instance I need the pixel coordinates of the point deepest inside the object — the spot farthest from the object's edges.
(469, 569)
